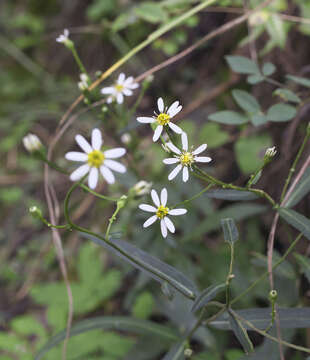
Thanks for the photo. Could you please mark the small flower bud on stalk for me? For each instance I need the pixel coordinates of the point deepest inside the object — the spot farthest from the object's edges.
(273, 295)
(122, 202)
(188, 353)
(269, 154)
(64, 39)
(32, 143)
(83, 84)
(36, 212)
(142, 188)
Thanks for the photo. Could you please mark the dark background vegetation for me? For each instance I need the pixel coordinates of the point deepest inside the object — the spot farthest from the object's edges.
(38, 80)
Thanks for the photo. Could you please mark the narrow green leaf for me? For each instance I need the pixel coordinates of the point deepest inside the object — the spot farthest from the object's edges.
(228, 117)
(300, 191)
(207, 295)
(151, 12)
(230, 230)
(299, 80)
(304, 263)
(246, 101)
(231, 195)
(297, 220)
(242, 65)
(287, 95)
(290, 318)
(176, 352)
(281, 112)
(240, 333)
(122, 323)
(154, 267)
(276, 30)
(268, 69)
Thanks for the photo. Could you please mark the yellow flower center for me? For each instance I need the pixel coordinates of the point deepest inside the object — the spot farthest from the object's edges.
(163, 119)
(187, 159)
(95, 158)
(162, 211)
(119, 87)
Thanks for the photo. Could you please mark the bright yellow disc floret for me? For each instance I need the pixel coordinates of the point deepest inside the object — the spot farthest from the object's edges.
(163, 119)
(119, 87)
(187, 159)
(162, 211)
(95, 158)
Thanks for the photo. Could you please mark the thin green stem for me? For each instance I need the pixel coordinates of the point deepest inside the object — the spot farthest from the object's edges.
(100, 196)
(264, 333)
(292, 169)
(78, 60)
(265, 274)
(193, 197)
(230, 275)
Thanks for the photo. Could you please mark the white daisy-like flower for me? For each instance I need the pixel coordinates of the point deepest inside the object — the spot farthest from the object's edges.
(161, 211)
(185, 158)
(95, 160)
(163, 118)
(83, 84)
(63, 38)
(122, 87)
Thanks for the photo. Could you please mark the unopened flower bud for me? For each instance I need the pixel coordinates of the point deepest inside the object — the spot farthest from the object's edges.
(64, 39)
(32, 143)
(270, 153)
(273, 295)
(188, 353)
(142, 188)
(122, 201)
(258, 18)
(83, 84)
(126, 138)
(35, 212)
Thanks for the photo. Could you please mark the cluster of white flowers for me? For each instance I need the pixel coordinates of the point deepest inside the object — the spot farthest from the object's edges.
(122, 87)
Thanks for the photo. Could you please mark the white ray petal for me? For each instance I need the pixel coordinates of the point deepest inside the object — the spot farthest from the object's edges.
(119, 98)
(115, 165)
(169, 224)
(84, 145)
(108, 90)
(150, 221)
(172, 107)
(107, 174)
(127, 92)
(170, 161)
(155, 197)
(176, 212)
(173, 148)
(200, 149)
(163, 228)
(133, 86)
(184, 140)
(160, 105)
(76, 156)
(128, 81)
(93, 177)
(185, 173)
(96, 139)
(79, 172)
(121, 78)
(114, 153)
(175, 111)
(174, 172)
(175, 128)
(145, 119)
(202, 159)
(157, 132)
(148, 208)
(164, 197)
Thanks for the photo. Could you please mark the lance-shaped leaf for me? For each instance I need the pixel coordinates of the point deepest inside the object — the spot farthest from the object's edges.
(297, 220)
(240, 332)
(290, 318)
(123, 323)
(232, 195)
(154, 267)
(304, 263)
(299, 80)
(301, 190)
(176, 352)
(207, 295)
(230, 230)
